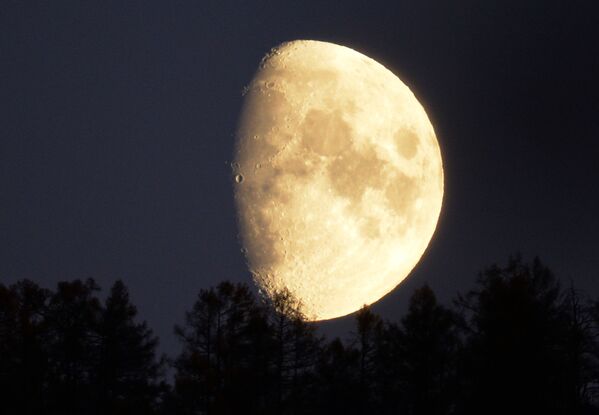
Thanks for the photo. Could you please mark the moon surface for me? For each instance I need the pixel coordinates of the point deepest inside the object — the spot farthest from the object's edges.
(338, 177)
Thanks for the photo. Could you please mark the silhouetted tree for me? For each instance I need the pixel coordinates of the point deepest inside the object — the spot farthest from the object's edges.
(295, 351)
(369, 329)
(581, 351)
(219, 351)
(63, 352)
(518, 343)
(242, 355)
(127, 376)
(514, 359)
(23, 355)
(337, 371)
(72, 319)
(427, 348)
(387, 384)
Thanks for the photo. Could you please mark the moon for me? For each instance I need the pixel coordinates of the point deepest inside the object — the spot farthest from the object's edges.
(337, 177)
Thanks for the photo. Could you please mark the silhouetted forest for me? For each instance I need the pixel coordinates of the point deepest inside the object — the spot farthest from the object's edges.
(518, 342)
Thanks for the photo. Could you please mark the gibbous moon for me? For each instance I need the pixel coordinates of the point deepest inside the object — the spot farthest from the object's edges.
(338, 177)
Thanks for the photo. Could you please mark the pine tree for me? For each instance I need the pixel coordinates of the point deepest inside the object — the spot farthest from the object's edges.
(23, 356)
(338, 383)
(514, 358)
(72, 318)
(295, 350)
(428, 345)
(219, 351)
(128, 373)
(369, 328)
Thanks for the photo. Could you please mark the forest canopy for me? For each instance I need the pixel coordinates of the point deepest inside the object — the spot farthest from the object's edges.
(519, 341)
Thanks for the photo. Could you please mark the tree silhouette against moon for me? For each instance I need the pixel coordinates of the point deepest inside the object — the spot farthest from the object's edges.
(516, 343)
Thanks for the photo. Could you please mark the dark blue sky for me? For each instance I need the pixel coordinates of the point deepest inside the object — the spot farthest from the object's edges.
(117, 122)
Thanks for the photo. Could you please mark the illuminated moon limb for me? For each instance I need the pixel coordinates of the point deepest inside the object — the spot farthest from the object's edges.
(342, 177)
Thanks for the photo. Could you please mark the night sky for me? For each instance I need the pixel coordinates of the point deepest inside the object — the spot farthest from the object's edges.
(117, 123)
